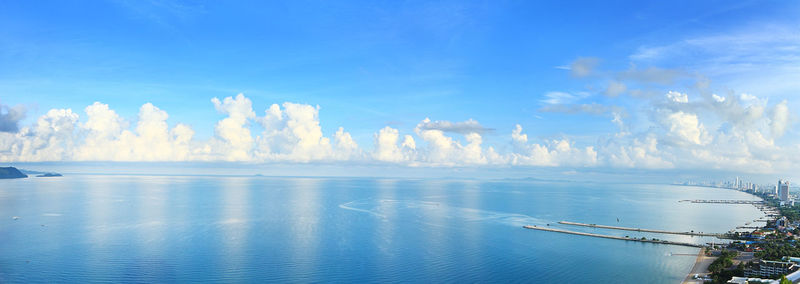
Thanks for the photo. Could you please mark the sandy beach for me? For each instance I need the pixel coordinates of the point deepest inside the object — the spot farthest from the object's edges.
(700, 267)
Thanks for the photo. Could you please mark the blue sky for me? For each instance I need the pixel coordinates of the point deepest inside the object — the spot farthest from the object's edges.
(547, 67)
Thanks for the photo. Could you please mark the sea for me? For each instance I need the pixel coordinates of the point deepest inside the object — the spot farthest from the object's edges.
(229, 229)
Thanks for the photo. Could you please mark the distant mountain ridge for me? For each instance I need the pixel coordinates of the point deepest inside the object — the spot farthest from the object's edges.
(11, 172)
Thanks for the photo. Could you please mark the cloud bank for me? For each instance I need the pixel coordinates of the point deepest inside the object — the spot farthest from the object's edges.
(730, 133)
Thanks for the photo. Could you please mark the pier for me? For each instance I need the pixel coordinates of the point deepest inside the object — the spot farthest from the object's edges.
(642, 230)
(614, 237)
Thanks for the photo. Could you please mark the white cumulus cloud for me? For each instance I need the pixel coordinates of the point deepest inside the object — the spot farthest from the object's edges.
(678, 97)
(686, 128)
(557, 152)
(235, 142)
(780, 119)
(387, 148)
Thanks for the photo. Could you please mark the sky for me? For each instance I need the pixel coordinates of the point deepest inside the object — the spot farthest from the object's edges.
(612, 86)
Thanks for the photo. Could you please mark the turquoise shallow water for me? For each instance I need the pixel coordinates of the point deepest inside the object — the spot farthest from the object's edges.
(88, 228)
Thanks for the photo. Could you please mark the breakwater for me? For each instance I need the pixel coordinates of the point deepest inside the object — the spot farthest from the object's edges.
(690, 233)
(643, 240)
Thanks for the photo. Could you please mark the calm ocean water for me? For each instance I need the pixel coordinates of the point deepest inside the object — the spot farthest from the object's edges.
(256, 229)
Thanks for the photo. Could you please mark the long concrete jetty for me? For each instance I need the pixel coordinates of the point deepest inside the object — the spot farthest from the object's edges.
(642, 230)
(614, 237)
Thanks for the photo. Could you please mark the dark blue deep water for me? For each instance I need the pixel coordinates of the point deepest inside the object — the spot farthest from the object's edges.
(86, 228)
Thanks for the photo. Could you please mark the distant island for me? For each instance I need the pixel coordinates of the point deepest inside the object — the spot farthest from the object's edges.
(11, 172)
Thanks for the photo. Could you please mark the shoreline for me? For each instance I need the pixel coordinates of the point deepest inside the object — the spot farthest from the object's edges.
(700, 267)
(702, 262)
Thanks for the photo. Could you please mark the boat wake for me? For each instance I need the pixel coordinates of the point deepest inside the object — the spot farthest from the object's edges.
(427, 211)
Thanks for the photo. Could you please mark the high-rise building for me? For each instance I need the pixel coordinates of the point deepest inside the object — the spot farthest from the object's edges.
(783, 190)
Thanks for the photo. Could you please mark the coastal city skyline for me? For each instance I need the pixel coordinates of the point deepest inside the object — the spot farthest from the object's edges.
(678, 99)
